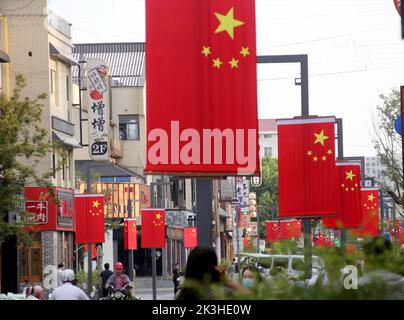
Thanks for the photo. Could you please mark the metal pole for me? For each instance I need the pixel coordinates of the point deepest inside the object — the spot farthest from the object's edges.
(130, 252)
(90, 249)
(154, 273)
(238, 212)
(258, 230)
(340, 142)
(381, 204)
(204, 211)
(304, 70)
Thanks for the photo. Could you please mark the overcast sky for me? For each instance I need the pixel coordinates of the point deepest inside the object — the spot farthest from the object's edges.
(354, 47)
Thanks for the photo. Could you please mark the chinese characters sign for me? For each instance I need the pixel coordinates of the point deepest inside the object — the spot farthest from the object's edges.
(242, 194)
(38, 211)
(98, 110)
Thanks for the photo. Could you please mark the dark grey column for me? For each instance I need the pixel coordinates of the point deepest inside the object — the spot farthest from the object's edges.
(204, 211)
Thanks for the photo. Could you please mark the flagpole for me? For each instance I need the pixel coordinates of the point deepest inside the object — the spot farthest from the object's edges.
(130, 252)
(90, 249)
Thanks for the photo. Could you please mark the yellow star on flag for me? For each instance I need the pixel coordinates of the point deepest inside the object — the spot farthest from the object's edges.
(320, 137)
(371, 197)
(315, 159)
(309, 153)
(245, 52)
(217, 63)
(350, 175)
(158, 216)
(96, 204)
(324, 158)
(329, 152)
(206, 51)
(233, 63)
(228, 23)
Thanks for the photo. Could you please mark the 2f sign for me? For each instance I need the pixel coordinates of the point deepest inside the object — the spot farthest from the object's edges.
(99, 148)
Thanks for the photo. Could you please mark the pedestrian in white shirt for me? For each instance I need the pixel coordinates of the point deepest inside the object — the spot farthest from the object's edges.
(68, 291)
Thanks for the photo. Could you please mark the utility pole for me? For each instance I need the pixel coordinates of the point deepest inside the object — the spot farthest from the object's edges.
(340, 142)
(130, 252)
(90, 249)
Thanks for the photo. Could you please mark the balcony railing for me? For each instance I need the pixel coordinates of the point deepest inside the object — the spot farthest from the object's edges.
(116, 149)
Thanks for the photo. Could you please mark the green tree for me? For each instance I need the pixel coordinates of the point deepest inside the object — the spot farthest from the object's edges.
(267, 193)
(23, 143)
(388, 145)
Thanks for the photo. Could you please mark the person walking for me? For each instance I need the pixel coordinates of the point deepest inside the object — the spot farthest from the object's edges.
(60, 272)
(68, 291)
(176, 278)
(105, 275)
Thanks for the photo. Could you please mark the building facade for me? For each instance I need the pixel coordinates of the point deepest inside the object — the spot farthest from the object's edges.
(39, 44)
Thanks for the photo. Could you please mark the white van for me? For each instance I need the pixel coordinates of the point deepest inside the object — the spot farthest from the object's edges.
(294, 264)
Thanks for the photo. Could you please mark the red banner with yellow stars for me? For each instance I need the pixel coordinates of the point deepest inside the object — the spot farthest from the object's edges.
(370, 214)
(190, 237)
(153, 229)
(129, 234)
(308, 177)
(272, 231)
(350, 215)
(90, 227)
(202, 117)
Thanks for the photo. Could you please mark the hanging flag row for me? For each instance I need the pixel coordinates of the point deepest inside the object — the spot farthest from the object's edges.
(313, 184)
(283, 230)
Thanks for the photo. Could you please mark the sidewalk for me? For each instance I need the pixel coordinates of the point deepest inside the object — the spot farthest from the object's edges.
(147, 283)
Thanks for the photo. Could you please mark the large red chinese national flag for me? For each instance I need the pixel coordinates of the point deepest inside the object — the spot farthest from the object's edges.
(129, 234)
(201, 76)
(286, 230)
(90, 226)
(308, 177)
(153, 228)
(190, 237)
(370, 214)
(350, 215)
(272, 231)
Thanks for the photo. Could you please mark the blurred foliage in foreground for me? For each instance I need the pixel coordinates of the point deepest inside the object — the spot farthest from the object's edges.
(380, 275)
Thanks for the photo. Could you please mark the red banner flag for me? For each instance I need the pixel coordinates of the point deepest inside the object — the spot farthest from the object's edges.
(296, 228)
(370, 214)
(190, 237)
(272, 231)
(153, 228)
(286, 232)
(350, 215)
(308, 178)
(90, 226)
(129, 234)
(201, 87)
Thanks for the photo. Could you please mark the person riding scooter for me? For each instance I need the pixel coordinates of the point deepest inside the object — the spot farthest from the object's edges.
(119, 281)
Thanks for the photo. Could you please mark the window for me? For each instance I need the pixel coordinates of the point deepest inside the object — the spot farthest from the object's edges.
(30, 259)
(265, 263)
(129, 127)
(267, 136)
(268, 152)
(281, 262)
(53, 81)
(298, 264)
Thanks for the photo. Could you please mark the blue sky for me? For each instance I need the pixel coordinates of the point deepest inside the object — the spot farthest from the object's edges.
(354, 47)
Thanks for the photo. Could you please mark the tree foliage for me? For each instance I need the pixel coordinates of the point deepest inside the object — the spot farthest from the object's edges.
(388, 145)
(23, 144)
(267, 193)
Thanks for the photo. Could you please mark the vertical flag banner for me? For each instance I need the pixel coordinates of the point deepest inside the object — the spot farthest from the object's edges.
(98, 109)
(190, 237)
(296, 228)
(153, 228)
(286, 232)
(350, 215)
(129, 234)
(272, 231)
(90, 227)
(370, 214)
(201, 87)
(308, 177)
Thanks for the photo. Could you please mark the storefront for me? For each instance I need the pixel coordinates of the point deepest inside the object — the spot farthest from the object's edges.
(51, 224)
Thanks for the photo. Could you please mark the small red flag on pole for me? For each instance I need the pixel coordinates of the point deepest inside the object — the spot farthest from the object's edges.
(90, 227)
(130, 234)
(153, 229)
(190, 237)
